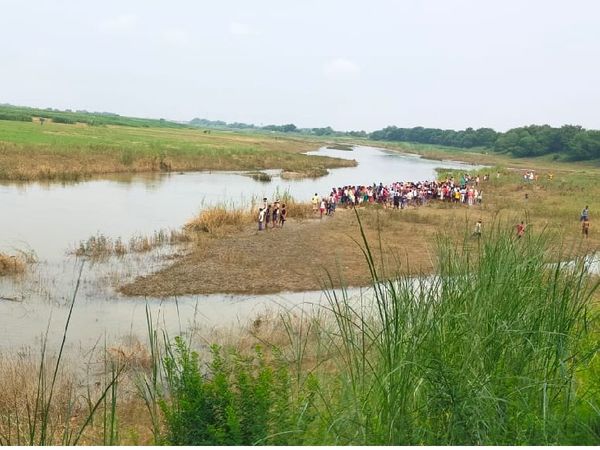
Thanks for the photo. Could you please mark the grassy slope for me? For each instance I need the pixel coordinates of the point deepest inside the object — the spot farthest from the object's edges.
(30, 151)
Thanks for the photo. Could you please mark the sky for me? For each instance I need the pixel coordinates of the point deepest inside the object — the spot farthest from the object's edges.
(352, 65)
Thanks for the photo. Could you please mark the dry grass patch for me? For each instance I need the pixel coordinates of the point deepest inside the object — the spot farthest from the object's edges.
(219, 220)
(12, 264)
(101, 246)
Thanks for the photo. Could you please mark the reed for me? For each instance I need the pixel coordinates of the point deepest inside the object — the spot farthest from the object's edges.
(101, 247)
(220, 219)
(484, 352)
(11, 265)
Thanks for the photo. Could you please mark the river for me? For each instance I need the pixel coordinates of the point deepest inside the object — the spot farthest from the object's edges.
(49, 219)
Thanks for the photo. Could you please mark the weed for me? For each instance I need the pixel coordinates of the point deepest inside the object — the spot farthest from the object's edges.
(12, 264)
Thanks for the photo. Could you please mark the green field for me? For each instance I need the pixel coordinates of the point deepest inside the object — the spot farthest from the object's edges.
(30, 150)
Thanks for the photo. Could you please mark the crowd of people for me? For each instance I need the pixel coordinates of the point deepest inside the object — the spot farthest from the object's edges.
(399, 195)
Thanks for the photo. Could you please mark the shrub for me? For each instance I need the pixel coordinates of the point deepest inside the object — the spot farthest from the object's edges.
(231, 401)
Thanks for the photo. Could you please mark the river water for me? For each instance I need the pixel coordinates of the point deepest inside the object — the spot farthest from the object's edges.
(49, 219)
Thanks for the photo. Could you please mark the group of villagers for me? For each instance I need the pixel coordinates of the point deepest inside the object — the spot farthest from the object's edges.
(399, 195)
(271, 215)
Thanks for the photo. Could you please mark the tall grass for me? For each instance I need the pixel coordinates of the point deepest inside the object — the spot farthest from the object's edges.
(484, 352)
(490, 350)
(220, 218)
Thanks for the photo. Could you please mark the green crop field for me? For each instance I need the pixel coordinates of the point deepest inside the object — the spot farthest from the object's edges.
(32, 150)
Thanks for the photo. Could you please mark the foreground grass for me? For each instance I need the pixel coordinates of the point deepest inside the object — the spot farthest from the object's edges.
(30, 151)
(496, 348)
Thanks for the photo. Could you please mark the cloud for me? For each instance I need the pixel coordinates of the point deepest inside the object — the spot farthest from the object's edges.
(240, 29)
(175, 37)
(341, 69)
(120, 23)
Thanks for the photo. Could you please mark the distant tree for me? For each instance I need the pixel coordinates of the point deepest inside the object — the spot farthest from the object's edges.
(322, 131)
(289, 128)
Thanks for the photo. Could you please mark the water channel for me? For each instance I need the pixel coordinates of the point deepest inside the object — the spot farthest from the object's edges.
(49, 219)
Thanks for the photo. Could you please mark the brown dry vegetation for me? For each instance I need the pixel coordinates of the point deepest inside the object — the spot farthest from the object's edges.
(303, 254)
(74, 394)
(12, 264)
(101, 247)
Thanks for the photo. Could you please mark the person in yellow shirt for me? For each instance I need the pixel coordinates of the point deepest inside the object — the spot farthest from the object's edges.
(315, 203)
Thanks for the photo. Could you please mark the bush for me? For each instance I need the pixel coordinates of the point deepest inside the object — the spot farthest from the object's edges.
(231, 401)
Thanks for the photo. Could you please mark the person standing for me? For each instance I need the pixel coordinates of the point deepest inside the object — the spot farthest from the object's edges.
(520, 230)
(261, 219)
(585, 228)
(477, 231)
(282, 215)
(267, 216)
(275, 214)
(315, 202)
(585, 214)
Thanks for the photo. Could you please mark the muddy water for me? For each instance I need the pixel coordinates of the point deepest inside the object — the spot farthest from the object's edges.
(51, 218)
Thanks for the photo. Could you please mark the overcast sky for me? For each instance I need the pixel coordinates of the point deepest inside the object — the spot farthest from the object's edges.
(347, 64)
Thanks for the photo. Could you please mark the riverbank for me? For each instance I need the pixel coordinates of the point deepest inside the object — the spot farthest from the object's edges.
(310, 253)
(53, 151)
(480, 155)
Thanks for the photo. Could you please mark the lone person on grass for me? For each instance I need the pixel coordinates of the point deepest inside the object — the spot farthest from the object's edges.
(477, 231)
(585, 214)
(585, 228)
(520, 230)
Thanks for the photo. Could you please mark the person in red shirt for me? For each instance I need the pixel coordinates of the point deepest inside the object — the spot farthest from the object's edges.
(520, 229)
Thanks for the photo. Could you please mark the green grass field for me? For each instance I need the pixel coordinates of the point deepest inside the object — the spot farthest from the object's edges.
(30, 150)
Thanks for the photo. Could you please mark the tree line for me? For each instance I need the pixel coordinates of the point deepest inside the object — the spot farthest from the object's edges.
(569, 142)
